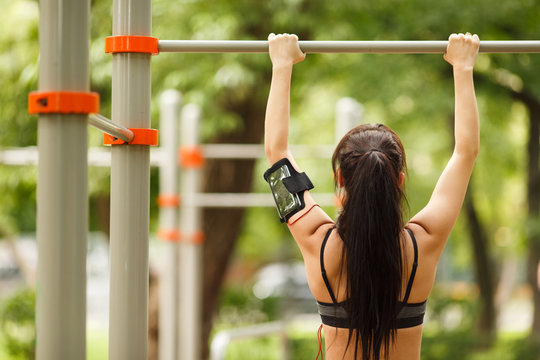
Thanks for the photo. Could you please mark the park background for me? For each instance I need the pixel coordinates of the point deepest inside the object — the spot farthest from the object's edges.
(485, 304)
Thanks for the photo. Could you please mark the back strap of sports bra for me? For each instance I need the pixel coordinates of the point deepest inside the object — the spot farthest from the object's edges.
(411, 278)
(323, 271)
(414, 266)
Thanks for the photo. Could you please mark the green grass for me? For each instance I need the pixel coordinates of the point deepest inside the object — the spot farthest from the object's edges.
(448, 346)
(97, 347)
(454, 345)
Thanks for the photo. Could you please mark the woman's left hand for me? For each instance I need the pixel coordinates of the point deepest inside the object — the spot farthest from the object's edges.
(284, 49)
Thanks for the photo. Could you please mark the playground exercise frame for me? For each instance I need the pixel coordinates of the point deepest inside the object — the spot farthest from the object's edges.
(62, 176)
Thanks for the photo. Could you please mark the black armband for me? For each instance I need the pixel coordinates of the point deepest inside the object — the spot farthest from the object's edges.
(287, 186)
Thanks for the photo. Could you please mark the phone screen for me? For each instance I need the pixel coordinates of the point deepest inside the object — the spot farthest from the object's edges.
(285, 201)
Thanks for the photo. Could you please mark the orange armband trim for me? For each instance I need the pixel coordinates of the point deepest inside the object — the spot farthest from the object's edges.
(141, 137)
(304, 214)
(191, 157)
(63, 102)
(131, 44)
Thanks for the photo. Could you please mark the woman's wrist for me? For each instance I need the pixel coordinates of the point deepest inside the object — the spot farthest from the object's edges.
(282, 65)
(460, 68)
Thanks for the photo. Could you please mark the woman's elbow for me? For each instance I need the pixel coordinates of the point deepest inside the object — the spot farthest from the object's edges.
(273, 154)
(469, 152)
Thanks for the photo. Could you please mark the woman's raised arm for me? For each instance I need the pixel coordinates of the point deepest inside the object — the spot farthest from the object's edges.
(442, 210)
(284, 53)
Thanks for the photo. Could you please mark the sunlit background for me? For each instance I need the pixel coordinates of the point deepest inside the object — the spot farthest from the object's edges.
(482, 306)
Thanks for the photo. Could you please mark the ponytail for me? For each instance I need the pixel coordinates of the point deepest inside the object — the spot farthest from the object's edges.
(370, 225)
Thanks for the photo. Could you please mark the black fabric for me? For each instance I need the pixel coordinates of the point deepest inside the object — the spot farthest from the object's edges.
(410, 314)
(413, 270)
(296, 183)
(335, 321)
(410, 321)
(323, 271)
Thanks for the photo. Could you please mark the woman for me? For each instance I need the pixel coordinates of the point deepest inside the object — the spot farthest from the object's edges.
(370, 272)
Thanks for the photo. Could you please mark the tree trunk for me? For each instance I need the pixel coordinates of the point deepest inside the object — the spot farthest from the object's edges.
(483, 267)
(533, 201)
(533, 198)
(222, 227)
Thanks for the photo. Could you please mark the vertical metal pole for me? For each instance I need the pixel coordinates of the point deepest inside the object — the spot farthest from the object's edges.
(168, 220)
(130, 180)
(190, 251)
(62, 211)
(348, 115)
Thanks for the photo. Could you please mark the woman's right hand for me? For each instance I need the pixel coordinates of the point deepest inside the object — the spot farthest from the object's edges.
(462, 50)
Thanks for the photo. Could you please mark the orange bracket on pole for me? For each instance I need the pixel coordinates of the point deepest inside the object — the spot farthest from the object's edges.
(141, 137)
(63, 102)
(196, 238)
(190, 157)
(165, 200)
(131, 44)
(171, 235)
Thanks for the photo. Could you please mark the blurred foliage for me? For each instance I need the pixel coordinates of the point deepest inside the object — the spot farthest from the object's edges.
(17, 323)
(240, 307)
(411, 93)
(449, 345)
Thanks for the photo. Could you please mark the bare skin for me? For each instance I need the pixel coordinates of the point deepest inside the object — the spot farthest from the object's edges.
(431, 226)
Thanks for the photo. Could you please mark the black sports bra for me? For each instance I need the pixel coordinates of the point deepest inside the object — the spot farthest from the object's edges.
(334, 314)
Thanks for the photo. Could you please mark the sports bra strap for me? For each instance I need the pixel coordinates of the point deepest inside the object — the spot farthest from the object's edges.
(323, 271)
(414, 266)
(411, 278)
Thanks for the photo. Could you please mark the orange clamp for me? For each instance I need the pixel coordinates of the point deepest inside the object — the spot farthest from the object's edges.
(141, 137)
(190, 157)
(63, 102)
(131, 44)
(171, 235)
(165, 200)
(196, 238)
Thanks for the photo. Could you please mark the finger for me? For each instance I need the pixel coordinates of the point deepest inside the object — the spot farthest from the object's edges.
(271, 36)
(476, 38)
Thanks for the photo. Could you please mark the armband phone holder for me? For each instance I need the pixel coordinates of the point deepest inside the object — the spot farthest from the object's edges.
(287, 186)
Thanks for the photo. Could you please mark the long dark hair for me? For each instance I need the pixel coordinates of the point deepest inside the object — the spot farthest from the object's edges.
(367, 165)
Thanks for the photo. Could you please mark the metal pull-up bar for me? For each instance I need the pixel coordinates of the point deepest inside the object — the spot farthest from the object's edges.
(107, 126)
(312, 47)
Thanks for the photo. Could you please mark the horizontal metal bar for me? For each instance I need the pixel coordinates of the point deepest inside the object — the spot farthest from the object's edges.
(311, 47)
(101, 156)
(256, 151)
(107, 126)
(239, 200)
(221, 341)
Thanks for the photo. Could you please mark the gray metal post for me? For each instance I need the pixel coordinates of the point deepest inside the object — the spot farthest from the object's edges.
(311, 47)
(62, 209)
(190, 250)
(168, 221)
(130, 180)
(348, 115)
